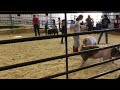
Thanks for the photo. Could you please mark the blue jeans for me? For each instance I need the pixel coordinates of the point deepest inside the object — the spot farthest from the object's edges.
(106, 37)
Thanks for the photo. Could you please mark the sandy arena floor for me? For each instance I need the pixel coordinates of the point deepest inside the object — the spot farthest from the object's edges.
(34, 50)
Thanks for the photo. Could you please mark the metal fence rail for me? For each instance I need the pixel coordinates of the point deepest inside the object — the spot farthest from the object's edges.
(83, 68)
(61, 56)
(19, 18)
(108, 72)
(54, 36)
(52, 58)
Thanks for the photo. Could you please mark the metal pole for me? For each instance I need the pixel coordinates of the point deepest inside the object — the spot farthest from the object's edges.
(74, 17)
(50, 19)
(59, 23)
(66, 46)
(10, 16)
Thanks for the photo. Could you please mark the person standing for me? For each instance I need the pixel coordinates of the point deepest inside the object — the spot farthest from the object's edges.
(76, 29)
(117, 22)
(89, 23)
(59, 24)
(46, 27)
(63, 30)
(54, 24)
(105, 22)
(36, 25)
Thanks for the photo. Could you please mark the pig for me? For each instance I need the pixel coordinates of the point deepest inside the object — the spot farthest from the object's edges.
(90, 40)
(104, 54)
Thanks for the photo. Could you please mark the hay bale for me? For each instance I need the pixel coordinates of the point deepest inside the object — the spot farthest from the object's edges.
(18, 30)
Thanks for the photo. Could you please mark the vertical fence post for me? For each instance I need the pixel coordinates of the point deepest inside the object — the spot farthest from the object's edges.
(66, 46)
(50, 20)
(59, 23)
(10, 16)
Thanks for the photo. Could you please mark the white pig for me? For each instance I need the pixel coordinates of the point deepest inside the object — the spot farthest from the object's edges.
(89, 40)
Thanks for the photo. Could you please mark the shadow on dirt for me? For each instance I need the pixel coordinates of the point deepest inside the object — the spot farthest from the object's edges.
(115, 33)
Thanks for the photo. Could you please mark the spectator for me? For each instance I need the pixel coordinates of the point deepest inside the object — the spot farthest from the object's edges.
(98, 25)
(46, 27)
(105, 23)
(72, 25)
(117, 22)
(36, 25)
(54, 22)
(83, 27)
(89, 23)
(82, 23)
(63, 30)
(55, 29)
(59, 24)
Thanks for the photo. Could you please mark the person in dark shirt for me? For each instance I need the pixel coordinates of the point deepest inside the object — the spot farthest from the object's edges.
(89, 23)
(59, 24)
(46, 27)
(63, 30)
(105, 22)
(82, 23)
(54, 22)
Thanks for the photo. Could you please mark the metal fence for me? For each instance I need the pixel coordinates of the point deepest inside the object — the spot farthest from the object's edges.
(25, 19)
(61, 56)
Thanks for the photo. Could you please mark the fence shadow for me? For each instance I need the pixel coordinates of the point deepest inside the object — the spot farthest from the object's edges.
(115, 33)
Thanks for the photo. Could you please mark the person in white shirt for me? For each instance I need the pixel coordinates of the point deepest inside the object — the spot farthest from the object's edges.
(76, 29)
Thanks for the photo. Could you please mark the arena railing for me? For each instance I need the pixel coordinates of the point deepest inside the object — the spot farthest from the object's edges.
(61, 56)
(54, 36)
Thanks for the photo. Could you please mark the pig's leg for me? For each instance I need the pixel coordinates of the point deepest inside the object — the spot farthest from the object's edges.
(105, 57)
(83, 62)
(112, 61)
(106, 54)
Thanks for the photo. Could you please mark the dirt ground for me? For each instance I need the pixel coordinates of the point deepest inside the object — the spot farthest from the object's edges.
(35, 50)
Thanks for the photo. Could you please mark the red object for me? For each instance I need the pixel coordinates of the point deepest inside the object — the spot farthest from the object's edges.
(35, 20)
(75, 49)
